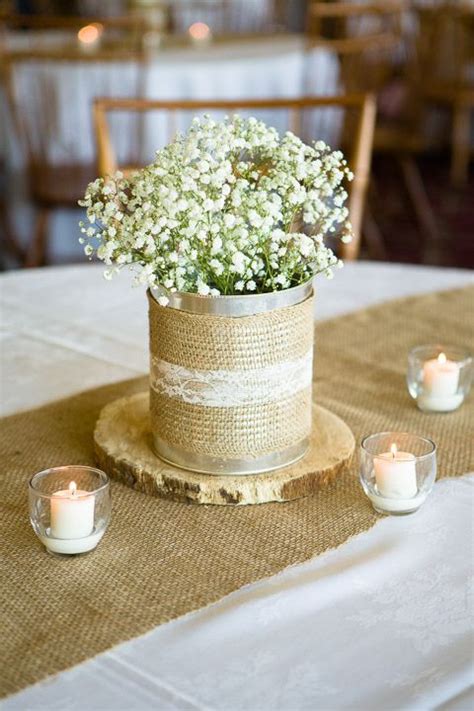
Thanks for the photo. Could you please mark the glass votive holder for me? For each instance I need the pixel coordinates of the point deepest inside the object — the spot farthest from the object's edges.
(397, 471)
(439, 377)
(70, 508)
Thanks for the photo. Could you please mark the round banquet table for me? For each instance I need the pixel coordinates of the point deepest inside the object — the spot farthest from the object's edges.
(54, 93)
(382, 622)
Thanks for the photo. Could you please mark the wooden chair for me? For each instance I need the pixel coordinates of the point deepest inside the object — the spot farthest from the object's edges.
(10, 246)
(225, 16)
(446, 77)
(52, 185)
(377, 55)
(219, 15)
(54, 36)
(363, 105)
(12, 20)
(349, 28)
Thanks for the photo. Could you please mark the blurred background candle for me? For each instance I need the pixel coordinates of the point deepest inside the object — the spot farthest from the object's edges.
(200, 34)
(89, 37)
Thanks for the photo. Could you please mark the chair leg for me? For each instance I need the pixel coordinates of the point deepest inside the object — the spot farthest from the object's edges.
(9, 238)
(460, 144)
(36, 253)
(422, 208)
(373, 236)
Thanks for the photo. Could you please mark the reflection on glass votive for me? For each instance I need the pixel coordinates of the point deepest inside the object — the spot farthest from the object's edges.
(439, 377)
(70, 508)
(397, 471)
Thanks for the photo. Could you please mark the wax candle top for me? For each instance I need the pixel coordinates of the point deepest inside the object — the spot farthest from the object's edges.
(72, 492)
(442, 364)
(397, 455)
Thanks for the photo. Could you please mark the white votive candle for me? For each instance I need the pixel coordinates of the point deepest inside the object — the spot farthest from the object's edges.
(72, 513)
(440, 376)
(395, 474)
(440, 385)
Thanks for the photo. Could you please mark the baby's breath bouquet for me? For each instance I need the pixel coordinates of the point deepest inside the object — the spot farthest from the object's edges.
(227, 208)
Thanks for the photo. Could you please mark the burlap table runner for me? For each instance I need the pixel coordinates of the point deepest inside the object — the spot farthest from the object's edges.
(161, 559)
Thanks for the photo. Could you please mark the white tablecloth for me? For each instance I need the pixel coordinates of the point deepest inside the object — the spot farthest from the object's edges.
(383, 622)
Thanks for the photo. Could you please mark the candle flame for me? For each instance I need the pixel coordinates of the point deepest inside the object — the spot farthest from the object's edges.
(72, 488)
(441, 359)
(199, 30)
(90, 33)
(394, 450)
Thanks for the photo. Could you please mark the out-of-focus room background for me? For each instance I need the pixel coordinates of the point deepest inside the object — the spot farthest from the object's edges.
(88, 86)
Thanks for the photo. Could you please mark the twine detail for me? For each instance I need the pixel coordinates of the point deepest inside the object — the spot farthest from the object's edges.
(231, 387)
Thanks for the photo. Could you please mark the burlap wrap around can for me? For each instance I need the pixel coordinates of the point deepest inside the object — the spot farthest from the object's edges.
(230, 390)
(161, 559)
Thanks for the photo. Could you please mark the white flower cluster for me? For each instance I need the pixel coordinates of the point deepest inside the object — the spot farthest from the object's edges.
(228, 208)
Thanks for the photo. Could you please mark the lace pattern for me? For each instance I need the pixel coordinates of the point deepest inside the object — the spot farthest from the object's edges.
(232, 388)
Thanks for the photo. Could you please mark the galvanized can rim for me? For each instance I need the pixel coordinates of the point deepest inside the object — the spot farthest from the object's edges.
(235, 305)
(217, 466)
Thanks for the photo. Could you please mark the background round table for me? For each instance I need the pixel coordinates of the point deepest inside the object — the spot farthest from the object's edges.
(54, 93)
(54, 96)
(384, 621)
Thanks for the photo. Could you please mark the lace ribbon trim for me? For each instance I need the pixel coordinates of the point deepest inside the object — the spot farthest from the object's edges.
(232, 388)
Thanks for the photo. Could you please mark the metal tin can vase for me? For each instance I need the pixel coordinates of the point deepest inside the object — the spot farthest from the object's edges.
(230, 380)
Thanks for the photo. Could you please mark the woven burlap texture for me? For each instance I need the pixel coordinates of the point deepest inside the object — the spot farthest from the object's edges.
(205, 342)
(228, 432)
(208, 342)
(160, 559)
